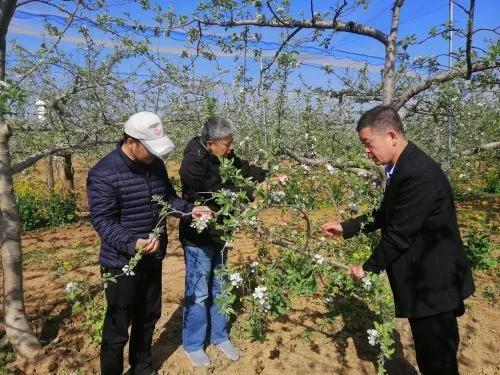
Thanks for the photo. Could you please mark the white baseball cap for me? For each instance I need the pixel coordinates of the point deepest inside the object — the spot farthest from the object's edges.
(147, 128)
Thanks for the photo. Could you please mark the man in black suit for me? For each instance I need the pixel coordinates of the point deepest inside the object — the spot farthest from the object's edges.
(420, 247)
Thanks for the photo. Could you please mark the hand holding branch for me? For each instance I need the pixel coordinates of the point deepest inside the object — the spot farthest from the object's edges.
(200, 211)
(147, 246)
(332, 229)
(356, 272)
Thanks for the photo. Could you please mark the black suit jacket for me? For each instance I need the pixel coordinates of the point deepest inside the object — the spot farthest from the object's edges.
(420, 247)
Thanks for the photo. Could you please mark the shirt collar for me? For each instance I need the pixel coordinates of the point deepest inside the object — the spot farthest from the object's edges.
(389, 169)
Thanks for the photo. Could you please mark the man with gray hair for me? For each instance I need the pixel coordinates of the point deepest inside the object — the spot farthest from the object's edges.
(205, 251)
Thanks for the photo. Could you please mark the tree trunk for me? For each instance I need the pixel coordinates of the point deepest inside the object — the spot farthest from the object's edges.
(17, 328)
(50, 171)
(68, 173)
(390, 55)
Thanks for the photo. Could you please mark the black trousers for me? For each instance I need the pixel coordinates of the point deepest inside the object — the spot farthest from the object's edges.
(436, 341)
(133, 300)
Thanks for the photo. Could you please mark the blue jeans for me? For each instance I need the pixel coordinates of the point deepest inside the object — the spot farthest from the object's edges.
(201, 313)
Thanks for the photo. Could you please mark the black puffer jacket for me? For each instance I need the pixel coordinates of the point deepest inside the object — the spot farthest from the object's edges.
(119, 193)
(199, 176)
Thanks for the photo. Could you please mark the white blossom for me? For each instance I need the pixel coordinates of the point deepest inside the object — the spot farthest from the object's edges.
(328, 68)
(277, 196)
(252, 221)
(70, 287)
(318, 259)
(419, 60)
(306, 167)
(372, 336)
(329, 298)
(236, 279)
(260, 296)
(353, 207)
(247, 138)
(330, 168)
(259, 292)
(228, 193)
(282, 179)
(200, 223)
(367, 283)
(127, 270)
(253, 267)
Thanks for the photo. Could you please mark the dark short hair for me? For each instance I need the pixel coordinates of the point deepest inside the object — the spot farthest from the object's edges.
(126, 136)
(216, 128)
(382, 117)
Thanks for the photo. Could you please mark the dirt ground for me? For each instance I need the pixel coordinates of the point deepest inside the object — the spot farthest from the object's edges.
(298, 344)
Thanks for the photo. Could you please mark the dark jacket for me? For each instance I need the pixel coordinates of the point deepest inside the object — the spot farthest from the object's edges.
(119, 192)
(420, 246)
(200, 175)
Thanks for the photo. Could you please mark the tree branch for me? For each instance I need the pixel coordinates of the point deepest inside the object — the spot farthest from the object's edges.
(440, 78)
(459, 5)
(266, 236)
(32, 159)
(313, 20)
(338, 11)
(468, 44)
(42, 60)
(285, 42)
(390, 55)
(349, 27)
(274, 13)
(339, 164)
(481, 148)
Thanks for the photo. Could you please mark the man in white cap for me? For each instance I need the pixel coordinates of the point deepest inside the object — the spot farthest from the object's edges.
(120, 188)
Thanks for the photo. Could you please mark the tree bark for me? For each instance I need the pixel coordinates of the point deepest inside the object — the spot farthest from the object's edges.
(68, 173)
(49, 163)
(481, 148)
(372, 173)
(390, 55)
(55, 149)
(349, 27)
(18, 330)
(449, 75)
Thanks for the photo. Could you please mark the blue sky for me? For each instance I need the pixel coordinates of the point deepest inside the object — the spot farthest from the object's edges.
(352, 51)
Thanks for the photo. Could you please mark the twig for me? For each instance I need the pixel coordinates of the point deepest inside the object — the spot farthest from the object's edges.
(42, 60)
(468, 44)
(288, 245)
(285, 42)
(274, 13)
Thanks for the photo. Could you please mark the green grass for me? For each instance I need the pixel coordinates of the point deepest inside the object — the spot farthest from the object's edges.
(35, 256)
